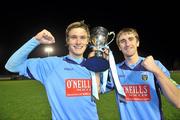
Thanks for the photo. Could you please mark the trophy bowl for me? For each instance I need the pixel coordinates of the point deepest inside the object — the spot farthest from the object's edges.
(98, 41)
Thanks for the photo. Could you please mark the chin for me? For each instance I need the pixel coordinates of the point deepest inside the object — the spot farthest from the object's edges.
(129, 55)
(79, 54)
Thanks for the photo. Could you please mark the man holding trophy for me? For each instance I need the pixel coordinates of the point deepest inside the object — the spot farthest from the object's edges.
(102, 60)
(97, 62)
(66, 80)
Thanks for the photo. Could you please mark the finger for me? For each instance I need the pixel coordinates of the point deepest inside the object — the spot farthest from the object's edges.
(91, 54)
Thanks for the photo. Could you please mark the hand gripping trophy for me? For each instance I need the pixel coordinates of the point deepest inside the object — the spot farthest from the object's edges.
(97, 63)
(99, 40)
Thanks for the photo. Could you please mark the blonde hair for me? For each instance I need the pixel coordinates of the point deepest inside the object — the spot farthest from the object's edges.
(79, 24)
(127, 30)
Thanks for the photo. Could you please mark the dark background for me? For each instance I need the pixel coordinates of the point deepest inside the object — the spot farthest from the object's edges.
(157, 23)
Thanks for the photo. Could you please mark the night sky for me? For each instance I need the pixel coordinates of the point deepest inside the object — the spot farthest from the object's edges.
(157, 24)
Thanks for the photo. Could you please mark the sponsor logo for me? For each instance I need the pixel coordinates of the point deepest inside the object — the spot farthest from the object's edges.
(68, 69)
(78, 87)
(137, 92)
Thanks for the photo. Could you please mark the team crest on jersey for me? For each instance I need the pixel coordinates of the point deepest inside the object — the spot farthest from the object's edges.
(144, 76)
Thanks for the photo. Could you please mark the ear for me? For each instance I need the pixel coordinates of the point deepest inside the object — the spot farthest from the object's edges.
(138, 43)
(67, 41)
(87, 42)
(119, 48)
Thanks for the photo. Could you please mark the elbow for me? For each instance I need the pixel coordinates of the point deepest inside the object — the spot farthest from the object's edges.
(177, 105)
(7, 67)
(178, 102)
(10, 67)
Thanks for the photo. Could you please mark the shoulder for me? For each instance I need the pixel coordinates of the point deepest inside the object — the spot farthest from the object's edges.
(51, 59)
(162, 67)
(159, 63)
(120, 63)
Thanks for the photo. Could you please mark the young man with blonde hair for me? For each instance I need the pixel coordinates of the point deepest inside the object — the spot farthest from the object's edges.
(66, 80)
(142, 80)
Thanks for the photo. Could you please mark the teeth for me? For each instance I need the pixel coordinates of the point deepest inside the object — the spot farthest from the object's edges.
(78, 47)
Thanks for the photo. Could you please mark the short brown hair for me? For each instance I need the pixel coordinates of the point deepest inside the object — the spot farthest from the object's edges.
(127, 30)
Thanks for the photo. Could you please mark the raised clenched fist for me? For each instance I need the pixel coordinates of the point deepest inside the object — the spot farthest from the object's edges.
(45, 37)
(150, 64)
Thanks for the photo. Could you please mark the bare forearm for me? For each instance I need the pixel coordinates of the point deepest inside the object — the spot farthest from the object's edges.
(168, 88)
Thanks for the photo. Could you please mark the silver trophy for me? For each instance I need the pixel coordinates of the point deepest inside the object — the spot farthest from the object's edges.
(99, 40)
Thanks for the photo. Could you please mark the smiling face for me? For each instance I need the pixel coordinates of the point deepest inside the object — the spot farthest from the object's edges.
(128, 42)
(77, 42)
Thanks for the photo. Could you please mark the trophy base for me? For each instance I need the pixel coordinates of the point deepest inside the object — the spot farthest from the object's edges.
(96, 64)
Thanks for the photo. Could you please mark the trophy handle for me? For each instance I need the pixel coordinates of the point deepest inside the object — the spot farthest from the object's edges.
(111, 33)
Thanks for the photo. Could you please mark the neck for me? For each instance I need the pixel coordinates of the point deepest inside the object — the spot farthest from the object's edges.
(132, 59)
(75, 57)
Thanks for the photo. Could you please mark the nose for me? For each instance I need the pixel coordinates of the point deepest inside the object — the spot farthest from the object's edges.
(78, 41)
(127, 42)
